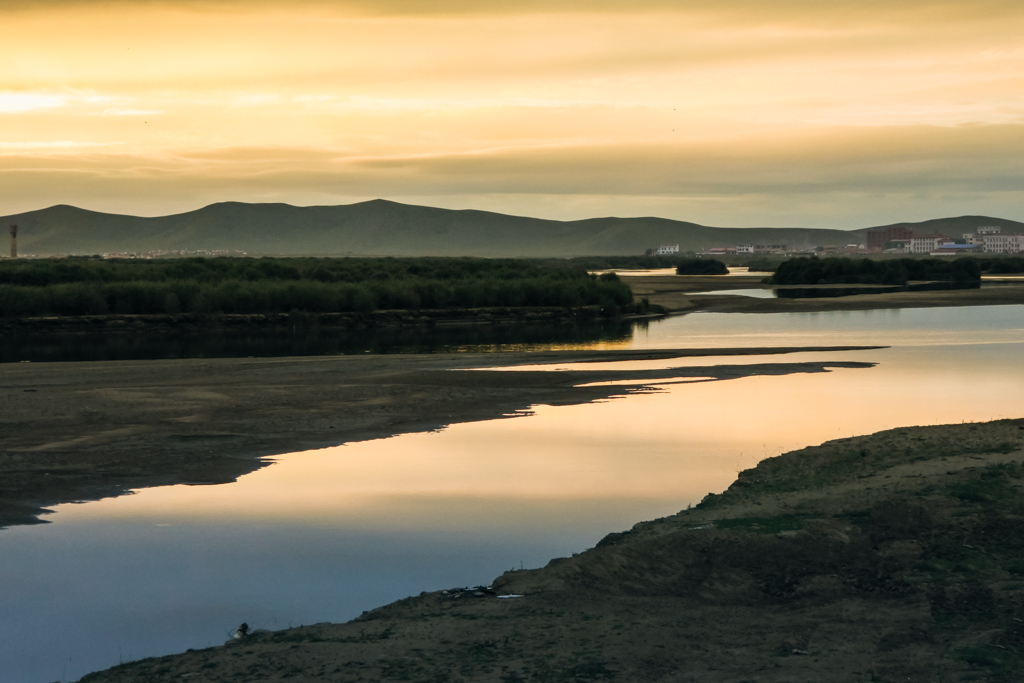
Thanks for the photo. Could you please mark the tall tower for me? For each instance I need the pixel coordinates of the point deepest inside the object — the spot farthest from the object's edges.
(14, 241)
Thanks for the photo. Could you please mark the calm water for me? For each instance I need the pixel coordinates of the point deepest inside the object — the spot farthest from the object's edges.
(324, 535)
(832, 292)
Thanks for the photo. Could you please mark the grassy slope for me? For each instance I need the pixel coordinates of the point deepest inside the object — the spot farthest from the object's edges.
(897, 556)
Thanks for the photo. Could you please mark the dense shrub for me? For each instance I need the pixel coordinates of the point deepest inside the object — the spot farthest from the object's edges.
(625, 262)
(760, 264)
(1007, 265)
(223, 285)
(699, 266)
(822, 271)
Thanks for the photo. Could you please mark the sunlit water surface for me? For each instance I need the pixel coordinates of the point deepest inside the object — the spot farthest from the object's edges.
(324, 535)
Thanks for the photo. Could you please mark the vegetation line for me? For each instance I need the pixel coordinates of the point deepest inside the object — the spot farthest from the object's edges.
(281, 285)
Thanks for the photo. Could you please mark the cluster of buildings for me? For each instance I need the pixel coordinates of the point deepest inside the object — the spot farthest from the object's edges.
(994, 241)
(986, 239)
(896, 239)
(741, 249)
(170, 253)
(780, 250)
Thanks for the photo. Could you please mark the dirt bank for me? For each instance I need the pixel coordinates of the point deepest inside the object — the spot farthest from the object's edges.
(81, 431)
(420, 318)
(679, 294)
(897, 556)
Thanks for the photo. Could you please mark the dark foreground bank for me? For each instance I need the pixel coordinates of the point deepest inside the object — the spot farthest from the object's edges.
(897, 556)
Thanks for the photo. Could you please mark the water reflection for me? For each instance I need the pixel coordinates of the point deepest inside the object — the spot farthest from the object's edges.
(832, 292)
(324, 535)
(967, 325)
(305, 342)
(754, 293)
(829, 292)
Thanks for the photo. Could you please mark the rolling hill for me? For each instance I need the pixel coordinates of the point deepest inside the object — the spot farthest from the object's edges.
(385, 228)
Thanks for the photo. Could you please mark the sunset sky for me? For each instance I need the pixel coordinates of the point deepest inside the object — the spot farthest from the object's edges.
(733, 112)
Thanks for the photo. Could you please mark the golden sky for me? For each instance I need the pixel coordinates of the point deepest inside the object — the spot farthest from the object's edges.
(733, 112)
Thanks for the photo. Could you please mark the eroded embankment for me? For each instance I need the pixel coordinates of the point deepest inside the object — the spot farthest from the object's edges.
(897, 556)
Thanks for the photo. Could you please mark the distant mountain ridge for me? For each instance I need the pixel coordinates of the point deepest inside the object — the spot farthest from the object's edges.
(384, 228)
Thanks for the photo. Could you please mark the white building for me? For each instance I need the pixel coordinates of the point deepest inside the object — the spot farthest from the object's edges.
(760, 248)
(926, 244)
(951, 249)
(1003, 243)
(994, 241)
(667, 250)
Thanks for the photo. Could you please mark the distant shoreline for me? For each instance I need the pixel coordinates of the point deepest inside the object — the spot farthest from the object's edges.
(680, 294)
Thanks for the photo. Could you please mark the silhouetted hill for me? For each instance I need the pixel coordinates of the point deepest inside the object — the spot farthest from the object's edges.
(955, 227)
(384, 228)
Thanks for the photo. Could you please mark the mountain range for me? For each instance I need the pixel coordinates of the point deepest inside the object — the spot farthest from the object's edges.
(385, 228)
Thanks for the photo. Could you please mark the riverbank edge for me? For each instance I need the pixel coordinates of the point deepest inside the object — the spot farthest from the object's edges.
(303, 320)
(75, 431)
(882, 557)
(681, 294)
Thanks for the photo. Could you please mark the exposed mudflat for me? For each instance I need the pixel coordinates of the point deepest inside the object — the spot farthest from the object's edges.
(897, 556)
(81, 431)
(680, 294)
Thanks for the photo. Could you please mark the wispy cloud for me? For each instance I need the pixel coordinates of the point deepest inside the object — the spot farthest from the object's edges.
(53, 145)
(664, 101)
(14, 102)
(129, 112)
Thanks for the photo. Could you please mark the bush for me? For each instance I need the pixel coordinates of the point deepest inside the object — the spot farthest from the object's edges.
(1003, 266)
(223, 285)
(826, 271)
(697, 266)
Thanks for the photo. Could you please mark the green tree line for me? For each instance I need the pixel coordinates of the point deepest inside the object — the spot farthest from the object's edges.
(272, 285)
(624, 262)
(698, 266)
(820, 271)
(1007, 265)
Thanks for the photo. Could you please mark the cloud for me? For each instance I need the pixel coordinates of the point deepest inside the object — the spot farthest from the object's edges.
(43, 145)
(654, 100)
(849, 178)
(129, 112)
(756, 8)
(19, 102)
(901, 159)
(967, 158)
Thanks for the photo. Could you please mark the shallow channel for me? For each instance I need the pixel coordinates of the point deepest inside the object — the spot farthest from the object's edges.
(324, 535)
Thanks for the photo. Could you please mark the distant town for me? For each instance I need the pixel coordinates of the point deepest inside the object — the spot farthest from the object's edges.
(986, 239)
(894, 239)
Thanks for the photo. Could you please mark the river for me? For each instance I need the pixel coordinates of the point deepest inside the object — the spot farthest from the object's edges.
(324, 535)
